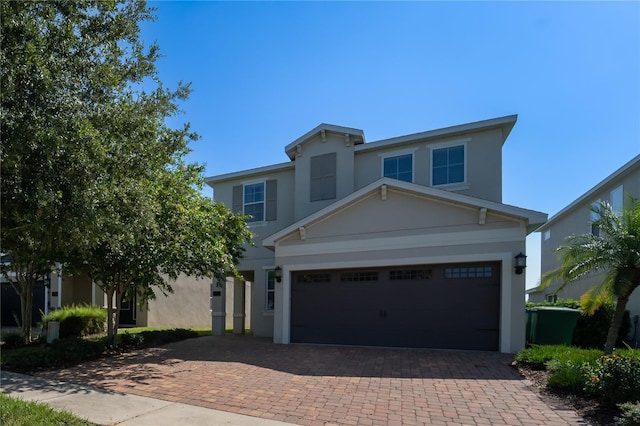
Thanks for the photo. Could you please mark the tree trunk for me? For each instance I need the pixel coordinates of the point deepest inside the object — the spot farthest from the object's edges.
(616, 322)
(110, 317)
(118, 307)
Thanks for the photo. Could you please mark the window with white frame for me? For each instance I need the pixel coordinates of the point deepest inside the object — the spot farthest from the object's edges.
(617, 200)
(253, 201)
(398, 167)
(270, 290)
(547, 234)
(551, 298)
(448, 165)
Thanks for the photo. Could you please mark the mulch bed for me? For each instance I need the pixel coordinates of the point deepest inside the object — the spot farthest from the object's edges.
(589, 409)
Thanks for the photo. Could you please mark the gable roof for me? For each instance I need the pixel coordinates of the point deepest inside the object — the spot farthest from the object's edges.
(533, 218)
(357, 136)
(635, 162)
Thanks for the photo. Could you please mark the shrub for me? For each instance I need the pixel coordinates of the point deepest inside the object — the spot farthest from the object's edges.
(12, 340)
(591, 330)
(615, 379)
(630, 414)
(78, 320)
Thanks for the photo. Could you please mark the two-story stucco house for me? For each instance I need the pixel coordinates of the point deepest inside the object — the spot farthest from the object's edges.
(577, 218)
(398, 242)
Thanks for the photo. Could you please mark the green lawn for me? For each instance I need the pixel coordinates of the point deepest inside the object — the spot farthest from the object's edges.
(17, 412)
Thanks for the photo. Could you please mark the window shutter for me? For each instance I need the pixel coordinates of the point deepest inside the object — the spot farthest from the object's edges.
(272, 199)
(237, 199)
(323, 177)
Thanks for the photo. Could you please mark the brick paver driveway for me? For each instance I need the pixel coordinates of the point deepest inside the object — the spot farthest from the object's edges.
(309, 385)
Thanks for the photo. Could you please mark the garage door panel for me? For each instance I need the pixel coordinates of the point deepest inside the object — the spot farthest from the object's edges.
(442, 306)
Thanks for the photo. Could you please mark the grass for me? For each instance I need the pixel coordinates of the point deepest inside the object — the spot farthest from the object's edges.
(17, 412)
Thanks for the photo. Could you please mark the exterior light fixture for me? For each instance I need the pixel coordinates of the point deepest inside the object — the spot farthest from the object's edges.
(278, 273)
(521, 263)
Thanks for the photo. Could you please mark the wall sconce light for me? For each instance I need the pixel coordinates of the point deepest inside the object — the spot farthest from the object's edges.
(521, 263)
(278, 274)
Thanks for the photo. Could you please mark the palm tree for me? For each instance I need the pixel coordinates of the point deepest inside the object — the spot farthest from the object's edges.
(614, 251)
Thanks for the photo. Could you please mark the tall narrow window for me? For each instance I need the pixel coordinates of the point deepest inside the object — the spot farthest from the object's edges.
(323, 177)
(271, 290)
(399, 167)
(617, 200)
(448, 165)
(254, 201)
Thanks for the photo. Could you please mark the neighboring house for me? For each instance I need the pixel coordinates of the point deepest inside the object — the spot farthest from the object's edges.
(187, 307)
(398, 242)
(577, 218)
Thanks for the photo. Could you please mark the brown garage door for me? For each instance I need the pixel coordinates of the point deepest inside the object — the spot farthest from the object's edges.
(454, 306)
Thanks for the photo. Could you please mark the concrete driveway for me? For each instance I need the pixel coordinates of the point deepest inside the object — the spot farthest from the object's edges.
(319, 385)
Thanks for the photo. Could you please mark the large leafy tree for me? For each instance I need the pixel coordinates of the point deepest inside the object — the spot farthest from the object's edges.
(86, 149)
(184, 233)
(615, 253)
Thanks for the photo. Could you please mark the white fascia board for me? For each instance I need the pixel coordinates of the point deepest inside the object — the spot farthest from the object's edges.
(506, 122)
(326, 127)
(248, 173)
(635, 162)
(532, 217)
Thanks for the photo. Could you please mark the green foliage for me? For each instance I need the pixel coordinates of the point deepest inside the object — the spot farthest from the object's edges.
(78, 320)
(538, 356)
(151, 338)
(630, 415)
(17, 412)
(615, 378)
(12, 340)
(61, 352)
(72, 350)
(568, 376)
(591, 330)
(560, 303)
(92, 174)
(615, 252)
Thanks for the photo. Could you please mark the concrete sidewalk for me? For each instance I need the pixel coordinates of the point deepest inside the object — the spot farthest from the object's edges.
(115, 408)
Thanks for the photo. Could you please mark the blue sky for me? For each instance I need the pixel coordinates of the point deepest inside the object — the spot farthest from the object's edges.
(265, 73)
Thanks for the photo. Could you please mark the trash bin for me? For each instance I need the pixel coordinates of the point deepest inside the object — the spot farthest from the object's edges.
(549, 325)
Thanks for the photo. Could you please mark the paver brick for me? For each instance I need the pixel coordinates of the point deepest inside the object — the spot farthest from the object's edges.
(321, 385)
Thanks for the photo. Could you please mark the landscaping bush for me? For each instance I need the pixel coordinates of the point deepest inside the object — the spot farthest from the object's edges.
(615, 379)
(591, 330)
(12, 340)
(630, 414)
(78, 320)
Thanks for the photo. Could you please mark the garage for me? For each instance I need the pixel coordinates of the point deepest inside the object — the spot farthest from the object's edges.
(447, 306)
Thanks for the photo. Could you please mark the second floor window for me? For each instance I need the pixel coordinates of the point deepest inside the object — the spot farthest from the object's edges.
(254, 201)
(447, 165)
(257, 199)
(399, 167)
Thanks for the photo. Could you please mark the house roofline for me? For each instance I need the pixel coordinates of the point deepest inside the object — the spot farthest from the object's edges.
(533, 217)
(290, 149)
(622, 170)
(506, 123)
(246, 173)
